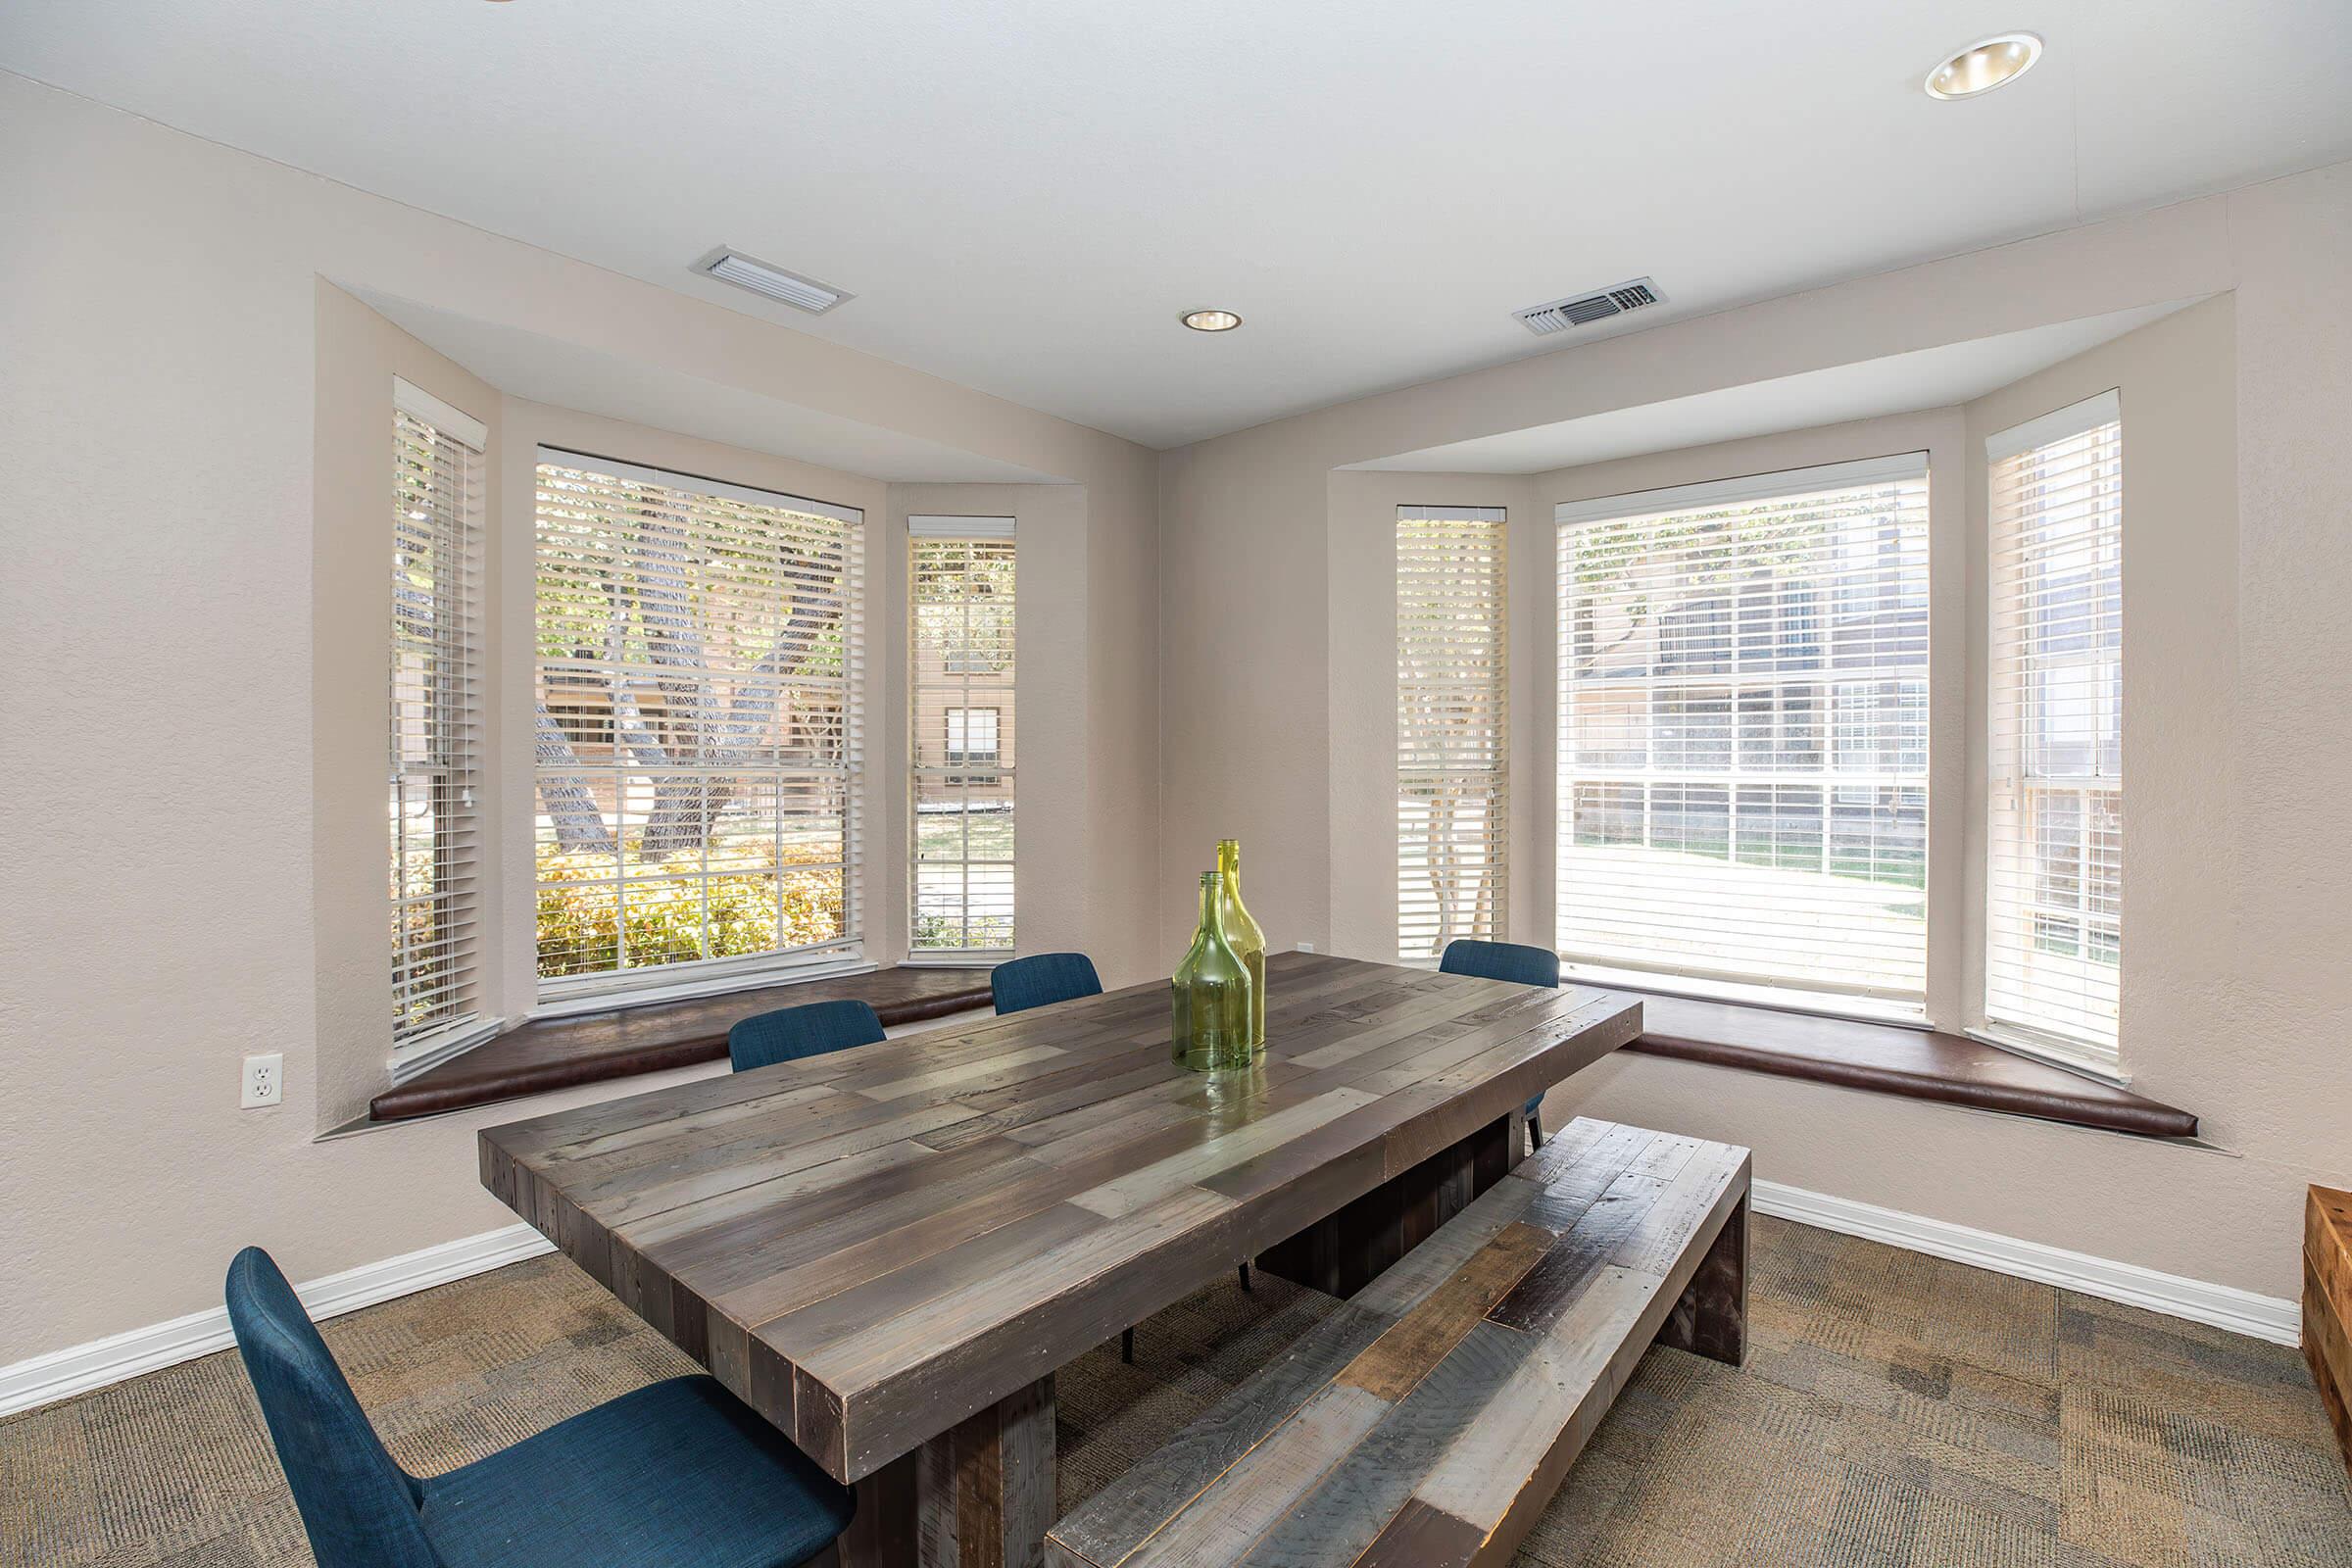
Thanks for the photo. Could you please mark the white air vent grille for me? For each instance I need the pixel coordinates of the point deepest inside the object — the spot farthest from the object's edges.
(1578, 309)
(764, 278)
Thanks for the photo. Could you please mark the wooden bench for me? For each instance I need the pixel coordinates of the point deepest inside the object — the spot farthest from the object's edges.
(1429, 1419)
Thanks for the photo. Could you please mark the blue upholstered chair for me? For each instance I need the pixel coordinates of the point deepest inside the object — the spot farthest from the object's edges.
(678, 1472)
(1517, 963)
(1042, 980)
(789, 1034)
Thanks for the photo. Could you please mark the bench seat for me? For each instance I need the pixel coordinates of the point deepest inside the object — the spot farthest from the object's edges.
(1429, 1419)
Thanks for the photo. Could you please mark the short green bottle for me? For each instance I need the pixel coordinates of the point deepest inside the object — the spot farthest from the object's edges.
(1243, 932)
(1210, 1000)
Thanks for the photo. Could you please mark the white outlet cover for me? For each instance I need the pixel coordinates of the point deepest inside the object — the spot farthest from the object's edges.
(264, 1082)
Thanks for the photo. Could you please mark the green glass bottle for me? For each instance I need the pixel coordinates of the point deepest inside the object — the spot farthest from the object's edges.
(1243, 932)
(1210, 1023)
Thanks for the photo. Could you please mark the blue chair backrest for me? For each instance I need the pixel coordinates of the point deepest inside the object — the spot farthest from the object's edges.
(790, 1034)
(358, 1507)
(1501, 960)
(1042, 980)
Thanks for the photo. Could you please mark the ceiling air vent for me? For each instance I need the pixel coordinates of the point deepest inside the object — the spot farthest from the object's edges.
(763, 277)
(1584, 308)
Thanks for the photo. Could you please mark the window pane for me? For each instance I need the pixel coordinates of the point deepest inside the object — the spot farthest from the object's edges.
(1452, 726)
(1743, 739)
(964, 729)
(698, 722)
(437, 485)
(2054, 870)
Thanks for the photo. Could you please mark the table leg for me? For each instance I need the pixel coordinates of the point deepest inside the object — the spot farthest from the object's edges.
(978, 1496)
(1347, 1250)
(1711, 1318)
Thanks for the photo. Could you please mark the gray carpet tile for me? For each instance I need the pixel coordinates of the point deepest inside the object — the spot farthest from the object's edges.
(1897, 1411)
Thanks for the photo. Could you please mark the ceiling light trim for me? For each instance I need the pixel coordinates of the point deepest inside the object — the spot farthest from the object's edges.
(2030, 42)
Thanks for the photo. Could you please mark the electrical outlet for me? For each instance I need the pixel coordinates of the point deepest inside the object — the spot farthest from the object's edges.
(1306, 947)
(265, 1081)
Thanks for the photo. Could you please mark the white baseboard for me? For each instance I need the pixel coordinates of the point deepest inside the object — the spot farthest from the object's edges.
(80, 1368)
(2224, 1306)
(61, 1374)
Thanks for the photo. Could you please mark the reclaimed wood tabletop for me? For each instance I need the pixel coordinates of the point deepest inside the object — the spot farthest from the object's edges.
(871, 1247)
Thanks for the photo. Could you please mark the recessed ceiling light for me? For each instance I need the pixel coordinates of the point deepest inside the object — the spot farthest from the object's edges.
(1984, 64)
(1211, 321)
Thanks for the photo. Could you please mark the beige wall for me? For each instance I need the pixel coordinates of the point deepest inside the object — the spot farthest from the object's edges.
(168, 583)
(2238, 1002)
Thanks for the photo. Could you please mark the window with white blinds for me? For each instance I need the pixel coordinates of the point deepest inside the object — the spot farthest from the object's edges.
(962, 789)
(1743, 734)
(701, 669)
(436, 749)
(1453, 727)
(2054, 896)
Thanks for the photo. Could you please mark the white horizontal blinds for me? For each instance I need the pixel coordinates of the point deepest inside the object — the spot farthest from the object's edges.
(2055, 845)
(1453, 727)
(435, 732)
(701, 663)
(962, 747)
(1743, 735)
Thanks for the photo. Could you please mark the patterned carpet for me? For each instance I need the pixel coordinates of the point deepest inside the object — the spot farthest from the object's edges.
(1898, 1412)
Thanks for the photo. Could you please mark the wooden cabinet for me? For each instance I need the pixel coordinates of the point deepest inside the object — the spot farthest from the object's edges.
(2328, 1303)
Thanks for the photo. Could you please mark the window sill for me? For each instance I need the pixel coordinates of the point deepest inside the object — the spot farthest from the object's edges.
(1890, 1060)
(624, 1041)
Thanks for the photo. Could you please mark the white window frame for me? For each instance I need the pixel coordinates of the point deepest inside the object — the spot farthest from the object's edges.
(844, 954)
(2094, 1052)
(919, 527)
(460, 769)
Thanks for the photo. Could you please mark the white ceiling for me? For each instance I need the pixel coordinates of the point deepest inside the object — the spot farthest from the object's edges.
(545, 370)
(1899, 383)
(1024, 196)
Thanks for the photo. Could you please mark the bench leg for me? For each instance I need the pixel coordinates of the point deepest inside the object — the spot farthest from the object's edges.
(979, 1494)
(1711, 1318)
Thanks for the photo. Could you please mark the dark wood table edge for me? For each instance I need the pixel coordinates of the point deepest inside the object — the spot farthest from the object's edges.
(660, 1037)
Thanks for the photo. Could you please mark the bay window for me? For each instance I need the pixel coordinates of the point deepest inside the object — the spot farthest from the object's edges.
(435, 734)
(1452, 733)
(698, 727)
(2053, 909)
(1743, 742)
(960, 787)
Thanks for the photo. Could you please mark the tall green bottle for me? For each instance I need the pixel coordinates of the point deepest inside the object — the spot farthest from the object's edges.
(1243, 932)
(1210, 1023)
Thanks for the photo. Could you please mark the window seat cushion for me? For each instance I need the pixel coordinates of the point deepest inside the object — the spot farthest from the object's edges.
(592, 1048)
(1891, 1059)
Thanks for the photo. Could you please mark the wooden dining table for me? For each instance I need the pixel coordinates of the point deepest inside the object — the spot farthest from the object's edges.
(889, 1251)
